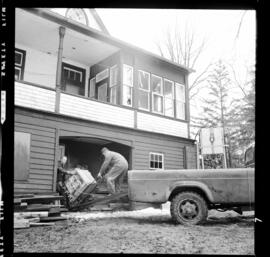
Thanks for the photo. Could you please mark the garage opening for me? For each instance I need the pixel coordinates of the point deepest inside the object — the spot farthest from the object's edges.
(84, 152)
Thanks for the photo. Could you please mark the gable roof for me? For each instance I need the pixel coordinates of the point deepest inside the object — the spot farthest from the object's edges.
(93, 19)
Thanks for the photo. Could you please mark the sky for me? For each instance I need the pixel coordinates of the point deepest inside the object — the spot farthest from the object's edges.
(145, 27)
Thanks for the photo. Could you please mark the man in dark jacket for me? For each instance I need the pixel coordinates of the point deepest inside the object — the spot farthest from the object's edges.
(114, 167)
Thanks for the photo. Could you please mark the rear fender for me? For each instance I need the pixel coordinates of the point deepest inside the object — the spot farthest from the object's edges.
(190, 184)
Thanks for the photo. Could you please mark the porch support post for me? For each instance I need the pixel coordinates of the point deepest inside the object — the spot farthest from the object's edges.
(62, 31)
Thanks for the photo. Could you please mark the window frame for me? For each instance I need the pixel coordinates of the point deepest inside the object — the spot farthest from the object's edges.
(162, 160)
(158, 94)
(127, 85)
(113, 83)
(173, 97)
(20, 66)
(75, 69)
(182, 101)
(145, 90)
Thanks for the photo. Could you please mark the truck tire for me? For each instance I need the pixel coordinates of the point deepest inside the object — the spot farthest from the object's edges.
(188, 208)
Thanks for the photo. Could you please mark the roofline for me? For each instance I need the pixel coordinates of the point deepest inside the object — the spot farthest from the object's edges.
(49, 15)
(99, 20)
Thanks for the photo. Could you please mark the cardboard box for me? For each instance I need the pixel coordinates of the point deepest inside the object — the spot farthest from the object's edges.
(79, 186)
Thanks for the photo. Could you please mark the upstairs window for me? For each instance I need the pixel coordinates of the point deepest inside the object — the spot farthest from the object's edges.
(168, 98)
(144, 89)
(156, 161)
(127, 85)
(157, 94)
(19, 63)
(114, 87)
(180, 101)
(73, 79)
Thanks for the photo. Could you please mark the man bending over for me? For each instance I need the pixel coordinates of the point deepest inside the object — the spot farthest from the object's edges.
(114, 167)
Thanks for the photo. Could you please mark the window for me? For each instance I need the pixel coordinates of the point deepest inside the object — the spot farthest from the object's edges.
(157, 94)
(180, 101)
(73, 79)
(168, 98)
(114, 87)
(92, 91)
(19, 63)
(22, 143)
(102, 92)
(127, 85)
(113, 76)
(156, 160)
(77, 14)
(144, 88)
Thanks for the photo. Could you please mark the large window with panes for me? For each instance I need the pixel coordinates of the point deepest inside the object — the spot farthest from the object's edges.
(168, 98)
(157, 94)
(180, 101)
(127, 85)
(114, 86)
(144, 90)
(156, 161)
(19, 63)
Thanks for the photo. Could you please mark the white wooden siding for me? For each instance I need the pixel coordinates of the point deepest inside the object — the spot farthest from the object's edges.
(161, 125)
(34, 97)
(92, 110)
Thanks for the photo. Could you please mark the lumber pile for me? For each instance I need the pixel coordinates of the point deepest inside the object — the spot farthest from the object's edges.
(37, 210)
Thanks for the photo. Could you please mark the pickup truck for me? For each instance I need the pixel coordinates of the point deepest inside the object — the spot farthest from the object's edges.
(193, 192)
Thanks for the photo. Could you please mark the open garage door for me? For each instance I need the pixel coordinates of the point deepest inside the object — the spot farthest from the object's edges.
(84, 152)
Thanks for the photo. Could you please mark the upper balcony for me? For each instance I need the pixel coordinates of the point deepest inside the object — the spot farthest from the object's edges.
(100, 80)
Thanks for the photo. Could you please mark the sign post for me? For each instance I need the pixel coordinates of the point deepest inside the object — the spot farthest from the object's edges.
(212, 142)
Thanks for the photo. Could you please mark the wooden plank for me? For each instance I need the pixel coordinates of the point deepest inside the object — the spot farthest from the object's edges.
(23, 195)
(33, 127)
(42, 156)
(47, 172)
(42, 199)
(34, 131)
(34, 166)
(41, 161)
(39, 224)
(41, 182)
(44, 150)
(44, 219)
(106, 199)
(32, 214)
(33, 177)
(42, 144)
(43, 207)
(43, 138)
(31, 186)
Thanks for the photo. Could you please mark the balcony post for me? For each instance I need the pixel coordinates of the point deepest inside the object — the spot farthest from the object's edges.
(62, 31)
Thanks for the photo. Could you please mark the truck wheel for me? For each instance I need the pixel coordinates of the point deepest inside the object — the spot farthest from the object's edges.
(188, 208)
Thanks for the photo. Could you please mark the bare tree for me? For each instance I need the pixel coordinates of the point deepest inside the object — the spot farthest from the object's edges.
(185, 49)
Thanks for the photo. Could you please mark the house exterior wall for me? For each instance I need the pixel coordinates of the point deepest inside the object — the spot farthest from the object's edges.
(45, 130)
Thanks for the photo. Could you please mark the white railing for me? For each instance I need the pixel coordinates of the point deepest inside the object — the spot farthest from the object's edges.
(34, 97)
(96, 111)
(40, 98)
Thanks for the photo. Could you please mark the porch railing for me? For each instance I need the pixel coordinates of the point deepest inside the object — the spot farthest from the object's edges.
(41, 98)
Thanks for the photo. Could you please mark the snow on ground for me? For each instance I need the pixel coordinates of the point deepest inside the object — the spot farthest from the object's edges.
(144, 213)
(148, 212)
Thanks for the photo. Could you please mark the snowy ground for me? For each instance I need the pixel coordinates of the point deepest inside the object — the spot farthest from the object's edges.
(144, 231)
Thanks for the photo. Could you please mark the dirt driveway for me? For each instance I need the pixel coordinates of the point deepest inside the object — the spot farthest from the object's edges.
(145, 231)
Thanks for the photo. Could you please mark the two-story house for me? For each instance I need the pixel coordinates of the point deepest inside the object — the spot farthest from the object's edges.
(78, 89)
